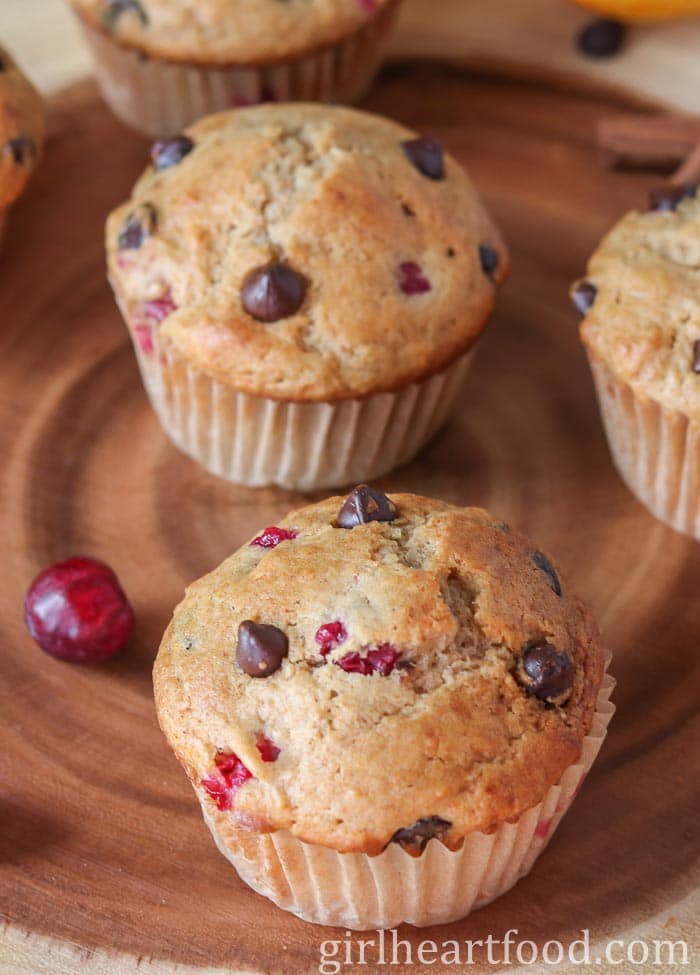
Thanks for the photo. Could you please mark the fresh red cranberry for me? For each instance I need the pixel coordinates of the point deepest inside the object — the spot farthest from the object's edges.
(412, 281)
(269, 752)
(381, 660)
(77, 610)
(329, 636)
(272, 536)
(226, 779)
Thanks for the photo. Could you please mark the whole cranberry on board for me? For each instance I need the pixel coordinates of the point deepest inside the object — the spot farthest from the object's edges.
(76, 610)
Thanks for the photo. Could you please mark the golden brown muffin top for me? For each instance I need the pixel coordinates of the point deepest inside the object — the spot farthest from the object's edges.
(228, 31)
(395, 694)
(310, 253)
(641, 296)
(21, 129)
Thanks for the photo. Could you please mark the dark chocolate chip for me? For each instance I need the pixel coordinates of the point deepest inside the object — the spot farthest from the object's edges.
(261, 648)
(427, 156)
(668, 197)
(583, 294)
(169, 152)
(140, 224)
(115, 8)
(543, 563)
(696, 357)
(365, 504)
(602, 38)
(489, 260)
(414, 839)
(273, 292)
(546, 673)
(22, 149)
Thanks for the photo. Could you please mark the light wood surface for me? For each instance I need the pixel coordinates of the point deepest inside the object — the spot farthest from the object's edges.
(105, 864)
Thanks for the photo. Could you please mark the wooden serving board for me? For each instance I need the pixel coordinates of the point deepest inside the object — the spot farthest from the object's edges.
(105, 864)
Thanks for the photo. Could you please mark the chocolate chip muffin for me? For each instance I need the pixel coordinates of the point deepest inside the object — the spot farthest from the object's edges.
(374, 695)
(304, 286)
(21, 132)
(162, 64)
(641, 329)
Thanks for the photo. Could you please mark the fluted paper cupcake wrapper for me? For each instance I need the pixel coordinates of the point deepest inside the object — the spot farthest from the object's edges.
(160, 98)
(656, 451)
(355, 891)
(258, 441)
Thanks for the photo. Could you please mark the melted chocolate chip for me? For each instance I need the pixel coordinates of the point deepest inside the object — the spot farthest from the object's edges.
(696, 357)
(489, 260)
(169, 152)
(583, 294)
(140, 224)
(261, 648)
(22, 149)
(363, 505)
(668, 197)
(602, 38)
(427, 156)
(546, 673)
(115, 8)
(543, 563)
(273, 292)
(414, 839)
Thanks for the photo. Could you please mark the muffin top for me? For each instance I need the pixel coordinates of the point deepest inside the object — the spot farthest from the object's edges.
(376, 669)
(228, 31)
(21, 129)
(307, 252)
(641, 297)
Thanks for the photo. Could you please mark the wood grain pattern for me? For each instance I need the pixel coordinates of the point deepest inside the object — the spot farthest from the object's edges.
(105, 865)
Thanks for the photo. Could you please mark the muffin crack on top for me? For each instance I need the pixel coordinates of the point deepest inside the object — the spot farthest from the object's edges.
(416, 665)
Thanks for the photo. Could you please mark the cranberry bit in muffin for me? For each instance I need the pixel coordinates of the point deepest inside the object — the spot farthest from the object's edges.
(669, 196)
(140, 224)
(115, 8)
(427, 156)
(273, 292)
(363, 505)
(169, 152)
(226, 779)
(77, 610)
(489, 260)
(269, 752)
(381, 660)
(583, 294)
(414, 839)
(261, 648)
(546, 673)
(329, 636)
(272, 537)
(543, 563)
(412, 280)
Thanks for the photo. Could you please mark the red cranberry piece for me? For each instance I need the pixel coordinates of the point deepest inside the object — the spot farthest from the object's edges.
(159, 309)
(383, 659)
(329, 636)
(272, 536)
(144, 337)
(412, 281)
(269, 752)
(77, 610)
(226, 779)
(355, 663)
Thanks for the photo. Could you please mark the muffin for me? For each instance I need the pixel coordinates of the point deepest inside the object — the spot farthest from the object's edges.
(641, 330)
(385, 706)
(21, 132)
(303, 286)
(162, 64)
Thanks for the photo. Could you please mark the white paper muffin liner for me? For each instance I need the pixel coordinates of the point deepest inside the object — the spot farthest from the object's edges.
(258, 441)
(160, 98)
(656, 451)
(359, 892)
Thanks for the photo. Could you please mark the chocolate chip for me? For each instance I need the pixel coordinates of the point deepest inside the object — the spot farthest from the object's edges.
(489, 259)
(115, 8)
(363, 505)
(543, 563)
(427, 156)
(601, 38)
(169, 152)
(668, 197)
(583, 294)
(273, 292)
(140, 224)
(261, 648)
(22, 149)
(696, 357)
(414, 839)
(546, 673)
